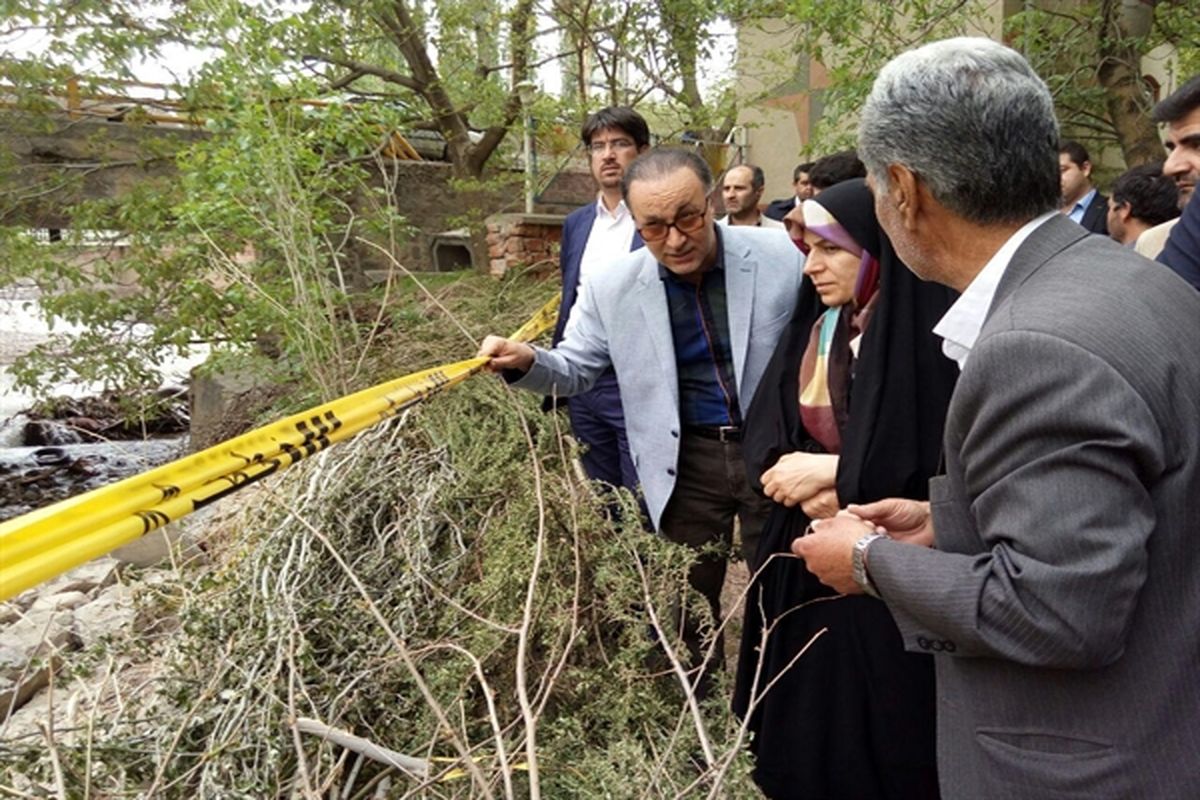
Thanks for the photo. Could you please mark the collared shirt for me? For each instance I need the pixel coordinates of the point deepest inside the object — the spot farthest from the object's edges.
(960, 326)
(1080, 207)
(703, 353)
(763, 222)
(611, 237)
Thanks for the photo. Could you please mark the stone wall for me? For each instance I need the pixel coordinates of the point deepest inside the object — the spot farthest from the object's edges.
(523, 241)
(122, 156)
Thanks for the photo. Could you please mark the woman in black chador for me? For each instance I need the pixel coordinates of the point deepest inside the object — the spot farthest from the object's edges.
(850, 410)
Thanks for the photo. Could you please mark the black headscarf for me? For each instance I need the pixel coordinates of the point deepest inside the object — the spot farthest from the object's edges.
(902, 382)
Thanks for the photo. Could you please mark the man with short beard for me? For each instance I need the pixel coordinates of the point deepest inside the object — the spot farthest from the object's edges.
(742, 189)
(1181, 113)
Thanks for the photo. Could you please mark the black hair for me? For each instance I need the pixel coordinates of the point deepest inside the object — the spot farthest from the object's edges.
(1179, 103)
(1075, 151)
(835, 168)
(622, 118)
(1153, 197)
(801, 169)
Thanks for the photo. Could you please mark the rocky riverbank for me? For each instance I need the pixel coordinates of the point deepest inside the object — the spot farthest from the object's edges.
(86, 609)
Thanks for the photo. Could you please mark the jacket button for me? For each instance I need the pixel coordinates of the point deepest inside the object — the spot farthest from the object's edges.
(922, 643)
(671, 471)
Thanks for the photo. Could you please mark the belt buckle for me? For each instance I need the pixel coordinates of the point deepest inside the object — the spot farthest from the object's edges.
(727, 433)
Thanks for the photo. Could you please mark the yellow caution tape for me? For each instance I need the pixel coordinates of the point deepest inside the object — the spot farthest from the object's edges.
(458, 773)
(49, 541)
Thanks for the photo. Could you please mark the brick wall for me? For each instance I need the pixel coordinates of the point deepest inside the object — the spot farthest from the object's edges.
(523, 240)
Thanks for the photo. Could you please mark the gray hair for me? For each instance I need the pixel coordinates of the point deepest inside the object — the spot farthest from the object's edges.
(974, 122)
(663, 161)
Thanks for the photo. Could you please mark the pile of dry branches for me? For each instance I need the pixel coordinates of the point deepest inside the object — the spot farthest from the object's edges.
(440, 608)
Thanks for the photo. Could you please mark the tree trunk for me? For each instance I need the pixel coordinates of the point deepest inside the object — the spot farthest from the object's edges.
(1121, 44)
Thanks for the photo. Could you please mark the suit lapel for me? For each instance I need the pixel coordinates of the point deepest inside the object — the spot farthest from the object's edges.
(652, 298)
(740, 270)
(574, 257)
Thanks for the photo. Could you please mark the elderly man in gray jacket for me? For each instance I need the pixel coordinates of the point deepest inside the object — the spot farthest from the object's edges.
(688, 324)
(1062, 599)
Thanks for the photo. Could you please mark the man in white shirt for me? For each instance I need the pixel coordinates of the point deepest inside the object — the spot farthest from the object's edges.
(593, 237)
(1059, 599)
(742, 189)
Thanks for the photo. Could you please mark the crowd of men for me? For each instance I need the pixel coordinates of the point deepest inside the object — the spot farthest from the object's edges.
(1055, 567)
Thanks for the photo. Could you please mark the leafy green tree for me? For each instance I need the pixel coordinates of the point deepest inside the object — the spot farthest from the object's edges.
(1089, 52)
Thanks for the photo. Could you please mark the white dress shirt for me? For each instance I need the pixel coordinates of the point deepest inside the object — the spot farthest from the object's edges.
(960, 326)
(611, 237)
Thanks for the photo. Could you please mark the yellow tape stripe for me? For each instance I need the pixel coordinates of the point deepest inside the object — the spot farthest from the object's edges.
(47, 542)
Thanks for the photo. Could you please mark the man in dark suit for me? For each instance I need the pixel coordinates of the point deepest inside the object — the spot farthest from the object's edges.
(1081, 201)
(1181, 114)
(778, 209)
(1061, 600)
(593, 237)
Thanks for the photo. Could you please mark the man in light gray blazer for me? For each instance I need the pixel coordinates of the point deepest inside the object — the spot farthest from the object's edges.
(688, 323)
(1062, 601)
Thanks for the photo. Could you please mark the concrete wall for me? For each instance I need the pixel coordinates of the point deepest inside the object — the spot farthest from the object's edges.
(773, 67)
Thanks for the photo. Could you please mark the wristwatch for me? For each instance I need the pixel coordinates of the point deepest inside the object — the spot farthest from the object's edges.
(858, 563)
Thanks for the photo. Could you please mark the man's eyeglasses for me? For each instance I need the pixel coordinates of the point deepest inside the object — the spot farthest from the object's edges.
(688, 222)
(617, 145)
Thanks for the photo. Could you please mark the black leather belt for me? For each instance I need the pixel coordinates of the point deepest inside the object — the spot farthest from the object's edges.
(722, 433)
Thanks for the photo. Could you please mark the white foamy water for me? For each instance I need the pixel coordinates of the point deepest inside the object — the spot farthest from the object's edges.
(22, 326)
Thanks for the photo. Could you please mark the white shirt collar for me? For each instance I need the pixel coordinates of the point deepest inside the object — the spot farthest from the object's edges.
(960, 326)
(616, 214)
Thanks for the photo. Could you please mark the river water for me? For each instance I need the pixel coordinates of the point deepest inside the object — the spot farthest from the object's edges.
(34, 476)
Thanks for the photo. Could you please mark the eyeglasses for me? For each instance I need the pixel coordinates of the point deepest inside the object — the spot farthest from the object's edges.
(617, 145)
(685, 223)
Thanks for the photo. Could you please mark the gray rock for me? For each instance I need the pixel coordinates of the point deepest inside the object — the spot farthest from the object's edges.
(155, 547)
(10, 612)
(60, 601)
(109, 614)
(41, 632)
(93, 575)
(16, 693)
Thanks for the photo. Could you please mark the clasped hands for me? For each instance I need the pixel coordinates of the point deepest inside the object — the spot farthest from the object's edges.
(806, 480)
(828, 548)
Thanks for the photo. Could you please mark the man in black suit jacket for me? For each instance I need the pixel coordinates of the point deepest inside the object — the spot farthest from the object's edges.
(778, 209)
(1081, 201)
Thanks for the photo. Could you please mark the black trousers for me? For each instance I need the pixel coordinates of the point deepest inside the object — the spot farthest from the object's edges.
(711, 491)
